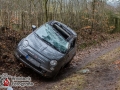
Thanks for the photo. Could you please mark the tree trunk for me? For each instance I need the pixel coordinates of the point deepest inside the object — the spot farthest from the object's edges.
(93, 15)
(46, 11)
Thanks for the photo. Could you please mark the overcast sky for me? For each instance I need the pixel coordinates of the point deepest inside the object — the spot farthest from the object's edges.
(113, 2)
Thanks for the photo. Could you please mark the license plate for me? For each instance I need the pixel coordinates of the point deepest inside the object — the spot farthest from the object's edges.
(34, 62)
(27, 57)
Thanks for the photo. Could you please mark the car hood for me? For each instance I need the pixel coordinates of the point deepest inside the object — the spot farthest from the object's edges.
(41, 47)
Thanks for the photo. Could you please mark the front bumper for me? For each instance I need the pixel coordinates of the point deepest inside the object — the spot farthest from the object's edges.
(41, 70)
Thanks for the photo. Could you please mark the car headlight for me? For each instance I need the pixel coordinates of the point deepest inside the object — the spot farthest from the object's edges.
(25, 43)
(53, 62)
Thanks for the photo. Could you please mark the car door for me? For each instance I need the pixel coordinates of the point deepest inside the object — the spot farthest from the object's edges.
(72, 50)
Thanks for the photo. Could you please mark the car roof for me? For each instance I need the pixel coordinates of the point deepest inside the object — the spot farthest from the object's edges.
(68, 29)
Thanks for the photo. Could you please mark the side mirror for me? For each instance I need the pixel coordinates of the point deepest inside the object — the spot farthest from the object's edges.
(68, 46)
(33, 27)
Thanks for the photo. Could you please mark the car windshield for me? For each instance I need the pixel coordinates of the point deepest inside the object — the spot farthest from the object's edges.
(49, 35)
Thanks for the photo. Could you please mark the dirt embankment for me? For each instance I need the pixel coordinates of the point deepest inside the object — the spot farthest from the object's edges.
(98, 59)
(103, 72)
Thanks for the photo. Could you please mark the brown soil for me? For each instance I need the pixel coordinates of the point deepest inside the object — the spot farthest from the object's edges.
(103, 74)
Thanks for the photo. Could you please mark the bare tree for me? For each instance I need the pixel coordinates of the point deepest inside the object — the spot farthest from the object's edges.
(46, 10)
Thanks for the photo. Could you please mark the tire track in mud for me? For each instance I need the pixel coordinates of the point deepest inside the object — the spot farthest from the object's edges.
(91, 57)
(45, 84)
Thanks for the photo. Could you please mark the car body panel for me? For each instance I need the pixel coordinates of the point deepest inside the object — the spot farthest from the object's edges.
(37, 54)
(40, 46)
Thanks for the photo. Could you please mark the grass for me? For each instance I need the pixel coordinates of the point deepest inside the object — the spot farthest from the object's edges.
(75, 81)
(96, 39)
(118, 88)
(106, 59)
(78, 80)
(87, 44)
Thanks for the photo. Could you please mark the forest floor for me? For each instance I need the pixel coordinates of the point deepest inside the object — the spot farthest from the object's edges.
(93, 68)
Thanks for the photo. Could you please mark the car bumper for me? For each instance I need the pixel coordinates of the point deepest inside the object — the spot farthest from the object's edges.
(41, 70)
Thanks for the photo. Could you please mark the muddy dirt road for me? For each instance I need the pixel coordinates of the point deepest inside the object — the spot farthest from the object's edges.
(100, 60)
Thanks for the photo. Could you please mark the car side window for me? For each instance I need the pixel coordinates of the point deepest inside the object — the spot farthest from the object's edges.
(73, 43)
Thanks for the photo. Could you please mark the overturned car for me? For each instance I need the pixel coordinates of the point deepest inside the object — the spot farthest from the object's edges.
(48, 48)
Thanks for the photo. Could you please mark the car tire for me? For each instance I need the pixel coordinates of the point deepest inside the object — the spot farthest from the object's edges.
(67, 64)
(55, 75)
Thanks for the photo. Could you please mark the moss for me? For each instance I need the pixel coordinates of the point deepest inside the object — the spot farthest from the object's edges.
(78, 81)
(87, 44)
(83, 45)
(75, 81)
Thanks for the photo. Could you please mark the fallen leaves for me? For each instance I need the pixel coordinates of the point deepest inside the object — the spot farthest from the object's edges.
(8, 41)
(117, 63)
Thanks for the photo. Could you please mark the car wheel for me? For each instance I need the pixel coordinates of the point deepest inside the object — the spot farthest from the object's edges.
(56, 74)
(67, 64)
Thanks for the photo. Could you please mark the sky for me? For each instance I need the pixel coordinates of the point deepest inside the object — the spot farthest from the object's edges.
(113, 2)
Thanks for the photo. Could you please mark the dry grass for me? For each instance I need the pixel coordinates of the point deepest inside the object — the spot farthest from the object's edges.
(102, 67)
